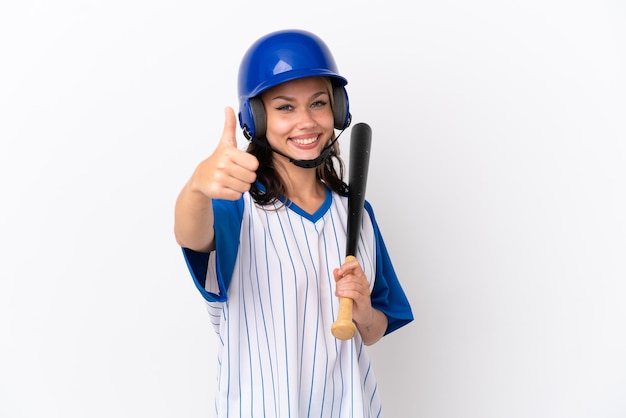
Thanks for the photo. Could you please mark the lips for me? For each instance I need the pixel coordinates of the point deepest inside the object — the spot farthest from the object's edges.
(304, 141)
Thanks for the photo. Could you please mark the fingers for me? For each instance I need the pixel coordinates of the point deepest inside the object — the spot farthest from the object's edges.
(230, 172)
(351, 281)
(350, 264)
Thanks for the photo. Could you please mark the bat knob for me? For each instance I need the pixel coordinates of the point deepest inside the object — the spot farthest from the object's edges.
(343, 329)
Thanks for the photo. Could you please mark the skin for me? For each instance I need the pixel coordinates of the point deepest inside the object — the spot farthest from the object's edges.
(299, 124)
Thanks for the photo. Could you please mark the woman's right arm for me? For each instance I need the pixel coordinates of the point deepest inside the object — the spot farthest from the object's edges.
(193, 219)
(226, 174)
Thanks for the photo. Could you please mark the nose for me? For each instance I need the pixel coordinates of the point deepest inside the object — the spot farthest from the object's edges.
(307, 120)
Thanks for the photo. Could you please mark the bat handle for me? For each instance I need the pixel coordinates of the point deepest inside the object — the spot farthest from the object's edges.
(343, 328)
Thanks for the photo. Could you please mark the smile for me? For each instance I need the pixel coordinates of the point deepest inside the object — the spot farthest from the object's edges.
(304, 141)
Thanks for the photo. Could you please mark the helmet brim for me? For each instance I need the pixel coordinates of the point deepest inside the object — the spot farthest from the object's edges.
(295, 75)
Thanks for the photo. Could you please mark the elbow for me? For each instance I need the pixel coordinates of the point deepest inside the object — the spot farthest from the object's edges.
(178, 236)
(199, 245)
(371, 342)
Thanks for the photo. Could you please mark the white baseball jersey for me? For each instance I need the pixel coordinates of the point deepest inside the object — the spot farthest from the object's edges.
(269, 288)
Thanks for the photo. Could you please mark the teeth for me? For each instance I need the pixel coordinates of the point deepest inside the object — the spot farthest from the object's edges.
(305, 141)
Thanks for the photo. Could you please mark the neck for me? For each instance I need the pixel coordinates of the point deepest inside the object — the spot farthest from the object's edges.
(307, 198)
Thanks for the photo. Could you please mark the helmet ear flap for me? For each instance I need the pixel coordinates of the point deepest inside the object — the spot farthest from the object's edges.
(341, 107)
(252, 118)
(258, 117)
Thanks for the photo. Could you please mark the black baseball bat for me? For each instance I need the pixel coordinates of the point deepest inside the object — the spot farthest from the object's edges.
(360, 144)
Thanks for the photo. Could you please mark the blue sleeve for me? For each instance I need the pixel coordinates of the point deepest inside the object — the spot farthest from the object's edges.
(227, 216)
(387, 294)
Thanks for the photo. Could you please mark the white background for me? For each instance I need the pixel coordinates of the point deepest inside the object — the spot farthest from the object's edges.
(497, 174)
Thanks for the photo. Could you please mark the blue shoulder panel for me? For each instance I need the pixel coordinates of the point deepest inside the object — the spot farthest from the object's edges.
(387, 294)
(227, 225)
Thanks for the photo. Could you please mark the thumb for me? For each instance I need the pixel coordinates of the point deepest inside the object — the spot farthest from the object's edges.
(230, 124)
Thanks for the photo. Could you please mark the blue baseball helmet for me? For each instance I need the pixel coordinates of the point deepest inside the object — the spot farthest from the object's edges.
(279, 57)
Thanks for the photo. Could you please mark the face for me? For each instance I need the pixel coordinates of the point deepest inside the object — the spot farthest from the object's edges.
(300, 120)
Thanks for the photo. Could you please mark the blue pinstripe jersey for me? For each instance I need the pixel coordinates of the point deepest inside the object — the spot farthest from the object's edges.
(269, 290)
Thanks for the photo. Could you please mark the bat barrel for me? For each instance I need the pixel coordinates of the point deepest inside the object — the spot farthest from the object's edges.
(360, 146)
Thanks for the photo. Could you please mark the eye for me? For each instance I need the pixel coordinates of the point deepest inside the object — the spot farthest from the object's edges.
(319, 103)
(285, 108)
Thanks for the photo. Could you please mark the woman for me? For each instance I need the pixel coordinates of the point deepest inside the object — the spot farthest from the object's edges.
(263, 232)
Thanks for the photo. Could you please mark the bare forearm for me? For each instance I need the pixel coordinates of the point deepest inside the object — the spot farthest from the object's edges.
(374, 329)
(193, 220)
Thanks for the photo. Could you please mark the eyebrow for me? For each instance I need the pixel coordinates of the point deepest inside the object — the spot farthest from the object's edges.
(291, 99)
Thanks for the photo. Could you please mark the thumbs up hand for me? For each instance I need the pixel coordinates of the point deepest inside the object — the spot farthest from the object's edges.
(229, 171)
